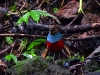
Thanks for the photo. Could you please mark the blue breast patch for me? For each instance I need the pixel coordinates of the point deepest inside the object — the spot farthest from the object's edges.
(54, 38)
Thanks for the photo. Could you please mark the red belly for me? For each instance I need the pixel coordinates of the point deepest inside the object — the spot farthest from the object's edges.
(55, 47)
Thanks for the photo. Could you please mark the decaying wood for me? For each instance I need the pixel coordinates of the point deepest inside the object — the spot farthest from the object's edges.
(69, 10)
(90, 18)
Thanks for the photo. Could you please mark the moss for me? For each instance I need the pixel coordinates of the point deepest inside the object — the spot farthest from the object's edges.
(37, 66)
(92, 66)
(28, 66)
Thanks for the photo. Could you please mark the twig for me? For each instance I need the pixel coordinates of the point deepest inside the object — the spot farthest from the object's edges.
(23, 5)
(13, 45)
(62, 2)
(2, 65)
(94, 57)
(97, 2)
(52, 3)
(41, 4)
(23, 35)
(7, 49)
(73, 20)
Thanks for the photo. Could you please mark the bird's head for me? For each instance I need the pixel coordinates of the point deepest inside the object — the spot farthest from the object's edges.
(53, 30)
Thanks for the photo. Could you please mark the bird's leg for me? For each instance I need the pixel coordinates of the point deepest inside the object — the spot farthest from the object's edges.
(64, 53)
(54, 57)
(68, 51)
(45, 53)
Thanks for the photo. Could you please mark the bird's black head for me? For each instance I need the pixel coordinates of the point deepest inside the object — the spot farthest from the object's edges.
(53, 30)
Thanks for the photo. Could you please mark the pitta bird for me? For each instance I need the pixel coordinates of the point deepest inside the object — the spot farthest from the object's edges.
(54, 41)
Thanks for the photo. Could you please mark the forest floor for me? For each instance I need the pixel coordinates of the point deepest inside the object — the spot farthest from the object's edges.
(25, 24)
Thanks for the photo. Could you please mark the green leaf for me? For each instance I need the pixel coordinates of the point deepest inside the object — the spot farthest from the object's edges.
(19, 21)
(55, 10)
(9, 40)
(14, 58)
(11, 56)
(8, 57)
(27, 55)
(24, 42)
(82, 59)
(26, 17)
(35, 43)
(35, 15)
(34, 55)
(13, 8)
(32, 51)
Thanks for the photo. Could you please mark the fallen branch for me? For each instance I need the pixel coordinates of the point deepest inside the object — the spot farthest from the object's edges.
(85, 38)
(69, 29)
(80, 28)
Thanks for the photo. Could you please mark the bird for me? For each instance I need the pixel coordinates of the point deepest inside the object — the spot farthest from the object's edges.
(54, 39)
(54, 42)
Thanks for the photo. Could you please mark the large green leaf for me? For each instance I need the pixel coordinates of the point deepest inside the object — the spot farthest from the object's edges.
(35, 43)
(11, 56)
(9, 40)
(24, 18)
(35, 15)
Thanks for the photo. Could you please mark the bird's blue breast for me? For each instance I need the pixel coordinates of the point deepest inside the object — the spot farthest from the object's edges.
(54, 38)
